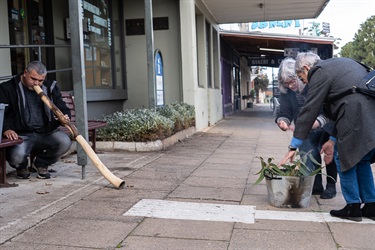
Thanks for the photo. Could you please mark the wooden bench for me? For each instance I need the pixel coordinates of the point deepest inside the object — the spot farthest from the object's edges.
(3, 145)
(92, 125)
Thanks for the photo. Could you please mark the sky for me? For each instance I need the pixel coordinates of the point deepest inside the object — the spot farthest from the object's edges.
(346, 16)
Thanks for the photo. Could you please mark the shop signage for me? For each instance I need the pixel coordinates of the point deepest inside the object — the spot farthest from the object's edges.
(159, 75)
(276, 24)
(266, 61)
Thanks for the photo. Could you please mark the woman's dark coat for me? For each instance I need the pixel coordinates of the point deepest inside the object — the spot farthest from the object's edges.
(288, 105)
(354, 115)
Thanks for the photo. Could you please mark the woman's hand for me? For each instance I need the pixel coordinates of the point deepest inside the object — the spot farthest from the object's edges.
(284, 126)
(289, 156)
(328, 150)
(316, 125)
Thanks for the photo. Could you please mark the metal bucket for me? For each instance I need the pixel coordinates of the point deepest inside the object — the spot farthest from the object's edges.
(290, 191)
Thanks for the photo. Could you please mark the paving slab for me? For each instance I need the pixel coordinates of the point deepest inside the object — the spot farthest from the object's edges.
(190, 229)
(165, 243)
(279, 238)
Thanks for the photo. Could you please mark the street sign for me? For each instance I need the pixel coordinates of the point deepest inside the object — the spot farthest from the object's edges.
(291, 52)
(159, 75)
(326, 28)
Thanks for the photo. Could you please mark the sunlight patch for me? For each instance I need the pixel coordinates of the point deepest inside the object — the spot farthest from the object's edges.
(178, 210)
(192, 211)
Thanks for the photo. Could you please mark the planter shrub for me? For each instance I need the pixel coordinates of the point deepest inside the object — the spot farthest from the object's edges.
(143, 125)
(297, 168)
(182, 114)
(291, 185)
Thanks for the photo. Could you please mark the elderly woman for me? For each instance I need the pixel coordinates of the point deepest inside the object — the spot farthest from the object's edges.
(292, 98)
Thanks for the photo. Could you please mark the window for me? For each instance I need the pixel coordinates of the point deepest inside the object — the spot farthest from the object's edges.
(39, 30)
(216, 59)
(208, 55)
(97, 44)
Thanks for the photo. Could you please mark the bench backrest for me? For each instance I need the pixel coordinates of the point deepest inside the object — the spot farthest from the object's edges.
(68, 99)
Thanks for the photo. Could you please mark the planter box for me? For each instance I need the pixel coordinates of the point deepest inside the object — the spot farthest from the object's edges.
(290, 191)
(2, 108)
(146, 146)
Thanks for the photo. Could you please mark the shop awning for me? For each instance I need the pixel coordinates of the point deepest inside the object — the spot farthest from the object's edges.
(241, 11)
(256, 44)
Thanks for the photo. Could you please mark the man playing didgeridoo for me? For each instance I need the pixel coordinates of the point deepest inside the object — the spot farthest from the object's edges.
(27, 117)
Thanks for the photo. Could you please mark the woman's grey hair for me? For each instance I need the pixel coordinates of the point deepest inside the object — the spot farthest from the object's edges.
(305, 59)
(39, 67)
(287, 73)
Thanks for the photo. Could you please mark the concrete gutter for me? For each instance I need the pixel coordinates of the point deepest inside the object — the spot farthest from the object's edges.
(157, 145)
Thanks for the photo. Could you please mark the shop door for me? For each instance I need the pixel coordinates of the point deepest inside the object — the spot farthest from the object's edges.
(236, 87)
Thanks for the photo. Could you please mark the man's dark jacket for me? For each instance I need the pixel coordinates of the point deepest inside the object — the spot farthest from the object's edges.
(354, 115)
(11, 93)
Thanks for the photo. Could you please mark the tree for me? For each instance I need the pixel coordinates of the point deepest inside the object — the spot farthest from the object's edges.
(362, 48)
(260, 84)
(347, 50)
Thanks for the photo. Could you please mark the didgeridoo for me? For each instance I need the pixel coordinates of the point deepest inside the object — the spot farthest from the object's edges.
(114, 180)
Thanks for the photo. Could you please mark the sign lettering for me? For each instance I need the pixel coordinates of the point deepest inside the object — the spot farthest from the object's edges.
(275, 24)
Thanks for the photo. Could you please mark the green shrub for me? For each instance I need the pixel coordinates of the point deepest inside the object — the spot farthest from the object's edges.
(182, 114)
(144, 125)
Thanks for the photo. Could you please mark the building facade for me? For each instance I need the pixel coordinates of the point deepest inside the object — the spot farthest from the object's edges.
(128, 54)
(115, 55)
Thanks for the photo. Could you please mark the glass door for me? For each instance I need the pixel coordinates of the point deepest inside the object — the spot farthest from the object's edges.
(236, 87)
(37, 35)
(18, 34)
(26, 27)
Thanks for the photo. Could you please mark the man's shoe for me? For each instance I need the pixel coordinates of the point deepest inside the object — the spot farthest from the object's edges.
(22, 173)
(330, 191)
(42, 173)
(350, 212)
(368, 210)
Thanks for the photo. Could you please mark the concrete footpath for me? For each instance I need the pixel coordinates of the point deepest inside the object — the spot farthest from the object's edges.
(196, 194)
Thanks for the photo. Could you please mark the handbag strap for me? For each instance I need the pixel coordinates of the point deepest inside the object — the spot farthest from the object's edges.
(369, 80)
(352, 90)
